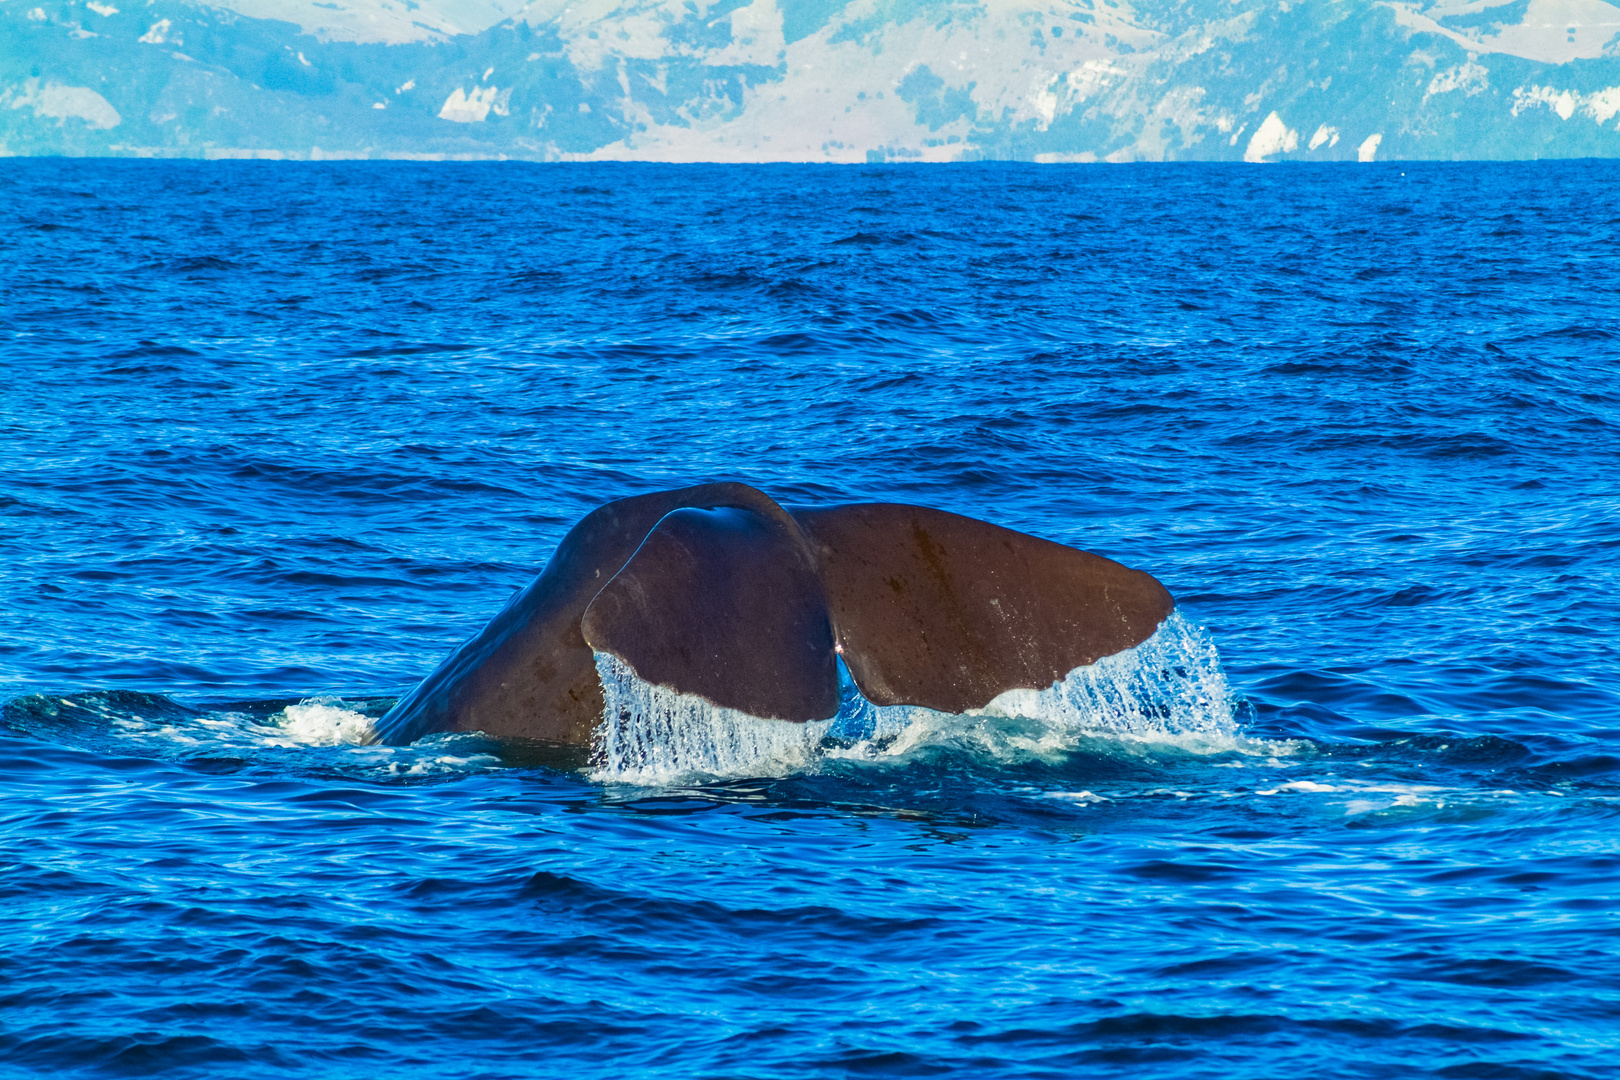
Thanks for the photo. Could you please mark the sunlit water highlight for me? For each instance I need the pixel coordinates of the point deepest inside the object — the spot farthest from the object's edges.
(276, 439)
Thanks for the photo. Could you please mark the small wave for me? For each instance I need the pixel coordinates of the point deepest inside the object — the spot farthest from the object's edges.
(318, 721)
(201, 264)
(328, 733)
(330, 722)
(325, 722)
(1367, 797)
(1168, 690)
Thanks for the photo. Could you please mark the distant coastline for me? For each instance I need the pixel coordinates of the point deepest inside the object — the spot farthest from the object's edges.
(811, 80)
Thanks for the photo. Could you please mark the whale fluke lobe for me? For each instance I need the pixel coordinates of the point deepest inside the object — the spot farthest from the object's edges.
(726, 604)
(719, 592)
(948, 612)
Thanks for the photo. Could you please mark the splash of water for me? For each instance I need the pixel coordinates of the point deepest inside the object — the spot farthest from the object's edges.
(1169, 689)
(652, 735)
(324, 722)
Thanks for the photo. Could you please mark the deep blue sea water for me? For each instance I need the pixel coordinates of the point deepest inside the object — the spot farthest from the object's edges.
(274, 437)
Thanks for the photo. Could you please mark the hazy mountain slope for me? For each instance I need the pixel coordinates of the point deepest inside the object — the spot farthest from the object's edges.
(817, 80)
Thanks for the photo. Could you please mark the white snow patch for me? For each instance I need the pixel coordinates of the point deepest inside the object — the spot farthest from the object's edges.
(1600, 105)
(1551, 31)
(1470, 78)
(1324, 134)
(1092, 77)
(469, 107)
(390, 21)
(60, 102)
(1053, 95)
(1603, 104)
(1271, 137)
(1180, 107)
(756, 36)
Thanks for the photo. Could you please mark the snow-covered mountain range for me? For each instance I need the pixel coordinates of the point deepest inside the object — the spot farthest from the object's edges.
(813, 80)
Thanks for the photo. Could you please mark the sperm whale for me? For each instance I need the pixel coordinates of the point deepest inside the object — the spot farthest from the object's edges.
(720, 592)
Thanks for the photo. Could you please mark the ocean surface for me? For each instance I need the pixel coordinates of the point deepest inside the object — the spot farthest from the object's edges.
(275, 437)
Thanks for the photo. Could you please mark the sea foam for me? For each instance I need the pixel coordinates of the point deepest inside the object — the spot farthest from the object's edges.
(323, 722)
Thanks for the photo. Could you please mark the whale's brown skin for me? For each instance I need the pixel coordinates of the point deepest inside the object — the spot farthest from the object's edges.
(745, 607)
(726, 604)
(944, 611)
(529, 673)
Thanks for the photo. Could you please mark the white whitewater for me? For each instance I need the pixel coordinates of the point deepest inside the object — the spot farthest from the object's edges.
(321, 721)
(653, 735)
(1169, 689)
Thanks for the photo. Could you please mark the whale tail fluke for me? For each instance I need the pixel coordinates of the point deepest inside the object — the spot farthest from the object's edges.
(725, 604)
(947, 612)
(719, 593)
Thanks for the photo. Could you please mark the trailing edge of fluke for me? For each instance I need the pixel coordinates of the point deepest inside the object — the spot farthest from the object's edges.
(718, 591)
